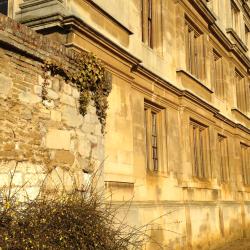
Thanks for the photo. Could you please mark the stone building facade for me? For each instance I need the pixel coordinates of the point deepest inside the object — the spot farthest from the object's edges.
(178, 129)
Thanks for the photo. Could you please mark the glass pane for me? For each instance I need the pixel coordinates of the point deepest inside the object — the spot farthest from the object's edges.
(4, 7)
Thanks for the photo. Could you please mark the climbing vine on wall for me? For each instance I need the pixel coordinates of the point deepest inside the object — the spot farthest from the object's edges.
(91, 79)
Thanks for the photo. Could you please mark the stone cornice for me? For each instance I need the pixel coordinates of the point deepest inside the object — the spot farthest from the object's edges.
(94, 5)
(204, 11)
(167, 85)
(241, 127)
(155, 78)
(199, 101)
(52, 20)
(195, 79)
(246, 8)
(187, 94)
(225, 119)
(73, 23)
(220, 36)
(37, 3)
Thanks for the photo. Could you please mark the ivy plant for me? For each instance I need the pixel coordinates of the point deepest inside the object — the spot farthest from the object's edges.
(90, 78)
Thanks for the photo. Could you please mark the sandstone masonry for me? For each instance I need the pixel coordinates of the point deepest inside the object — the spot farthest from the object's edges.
(41, 139)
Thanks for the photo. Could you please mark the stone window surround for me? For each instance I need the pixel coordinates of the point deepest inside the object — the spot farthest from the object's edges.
(245, 158)
(194, 46)
(200, 154)
(235, 17)
(217, 81)
(223, 157)
(247, 38)
(242, 95)
(151, 24)
(149, 109)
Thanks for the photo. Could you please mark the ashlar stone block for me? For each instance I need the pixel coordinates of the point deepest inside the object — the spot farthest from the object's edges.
(5, 85)
(64, 156)
(4, 180)
(56, 115)
(29, 98)
(71, 117)
(69, 100)
(58, 139)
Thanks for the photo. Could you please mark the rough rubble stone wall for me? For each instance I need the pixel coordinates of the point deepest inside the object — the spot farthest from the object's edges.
(41, 140)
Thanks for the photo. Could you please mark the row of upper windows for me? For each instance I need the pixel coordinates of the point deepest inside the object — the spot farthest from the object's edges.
(237, 20)
(199, 147)
(149, 18)
(195, 64)
(195, 47)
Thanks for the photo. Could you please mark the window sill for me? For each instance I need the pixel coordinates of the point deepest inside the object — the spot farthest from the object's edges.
(241, 117)
(156, 174)
(236, 39)
(201, 184)
(195, 85)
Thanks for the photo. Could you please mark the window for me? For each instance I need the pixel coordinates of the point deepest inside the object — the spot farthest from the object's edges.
(247, 38)
(199, 149)
(242, 92)
(217, 75)
(151, 18)
(147, 22)
(4, 7)
(223, 158)
(195, 59)
(235, 17)
(154, 125)
(245, 163)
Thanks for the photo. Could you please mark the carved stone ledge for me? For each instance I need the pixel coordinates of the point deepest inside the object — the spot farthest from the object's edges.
(190, 82)
(236, 39)
(242, 118)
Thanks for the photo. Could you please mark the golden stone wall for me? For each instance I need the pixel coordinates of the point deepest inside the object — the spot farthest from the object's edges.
(205, 211)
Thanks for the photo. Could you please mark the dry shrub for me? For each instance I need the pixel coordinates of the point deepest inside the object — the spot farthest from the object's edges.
(76, 220)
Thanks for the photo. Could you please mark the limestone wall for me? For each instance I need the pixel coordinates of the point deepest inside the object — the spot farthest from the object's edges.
(41, 139)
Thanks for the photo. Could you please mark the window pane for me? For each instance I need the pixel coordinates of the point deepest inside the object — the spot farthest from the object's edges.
(154, 141)
(4, 7)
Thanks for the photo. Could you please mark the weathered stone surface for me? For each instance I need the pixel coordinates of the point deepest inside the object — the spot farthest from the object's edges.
(38, 90)
(67, 89)
(56, 115)
(5, 85)
(34, 179)
(69, 100)
(49, 104)
(17, 179)
(71, 116)
(29, 98)
(58, 139)
(31, 193)
(64, 156)
(56, 85)
(37, 135)
(52, 95)
(75, 93)
(4, 180)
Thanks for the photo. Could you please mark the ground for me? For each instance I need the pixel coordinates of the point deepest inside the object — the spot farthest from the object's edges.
(242, 244)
